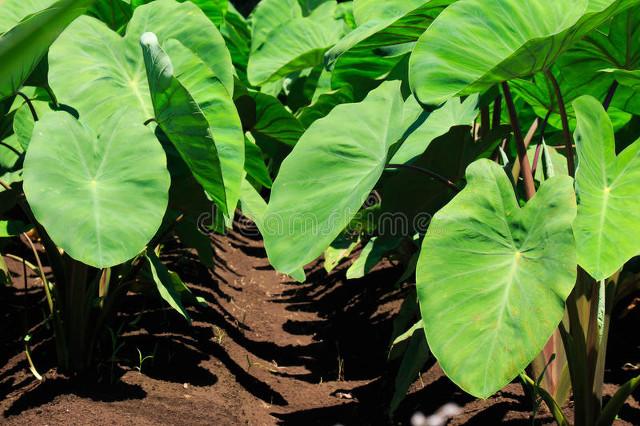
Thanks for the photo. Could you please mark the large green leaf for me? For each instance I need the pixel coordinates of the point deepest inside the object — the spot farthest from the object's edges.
(492, 277)
(101, 195)
(298, 44)
(616, 51)
(196, 112)
(27, 28)
(90, 58)
(475, 44)
(325, 180)
(608, 191)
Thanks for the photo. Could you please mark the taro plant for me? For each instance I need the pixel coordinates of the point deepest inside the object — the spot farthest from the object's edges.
(520, 266)
(117, 146)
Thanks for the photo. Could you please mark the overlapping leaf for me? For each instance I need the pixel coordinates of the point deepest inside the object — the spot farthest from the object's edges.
(475, 44)
(90, 58)
(27, 29)
(196, 112)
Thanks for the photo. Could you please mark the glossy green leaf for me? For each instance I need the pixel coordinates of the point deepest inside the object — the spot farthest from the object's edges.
(101, 195)
(626, 78)
(328, 176)
(617, 51)
(475, 44)
(492, 277)
(294, 46)
(608, 191)
(89, 57)
(27, 29)
(372, 10)
(199, 117)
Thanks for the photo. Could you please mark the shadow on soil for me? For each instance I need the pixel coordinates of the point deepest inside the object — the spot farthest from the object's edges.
(350, 337)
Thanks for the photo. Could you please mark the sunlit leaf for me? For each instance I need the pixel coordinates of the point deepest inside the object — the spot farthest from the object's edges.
(492, 277)
(325, 180)
(111, 183)
(474, 44)
(608, 191)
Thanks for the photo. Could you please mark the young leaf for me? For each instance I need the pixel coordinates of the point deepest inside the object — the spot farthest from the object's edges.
(475, 44)
(492, 277)
(101, 195)
(608, 192)
(325, 180)
(27, 29)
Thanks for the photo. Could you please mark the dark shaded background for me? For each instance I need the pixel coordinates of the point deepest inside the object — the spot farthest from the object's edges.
(244, 6)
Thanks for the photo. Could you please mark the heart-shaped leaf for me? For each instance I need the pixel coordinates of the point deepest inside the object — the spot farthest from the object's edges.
(329, 174)
(90, 58)
(608, 191)
(475, 44)
(27, 29)
(101, 195)
(492, 278)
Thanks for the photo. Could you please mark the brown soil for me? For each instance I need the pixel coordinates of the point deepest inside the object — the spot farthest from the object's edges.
(265, 351)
